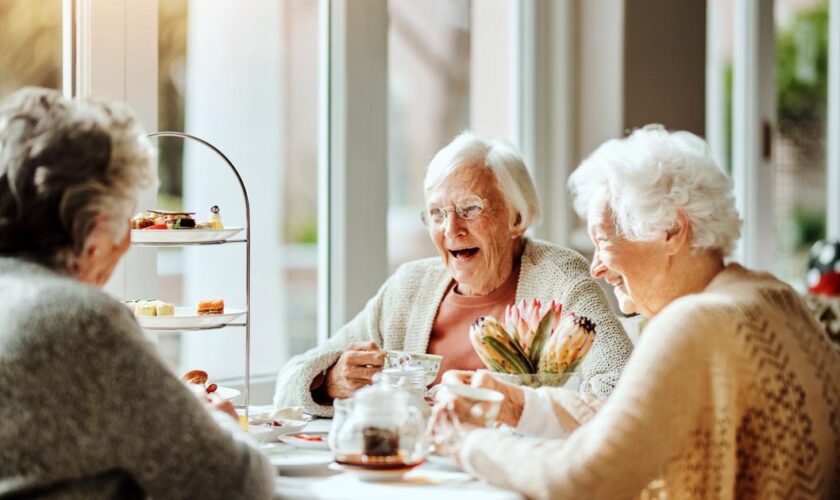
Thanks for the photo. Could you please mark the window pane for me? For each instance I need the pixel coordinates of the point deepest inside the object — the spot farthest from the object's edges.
(800, 172)
(428, 104)
(30, 44)
(720, 47)
(244, 76)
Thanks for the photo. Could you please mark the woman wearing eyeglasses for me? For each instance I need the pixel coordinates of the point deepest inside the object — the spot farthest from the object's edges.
(480, 201)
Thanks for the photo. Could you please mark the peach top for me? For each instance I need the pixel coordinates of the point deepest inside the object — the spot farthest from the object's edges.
(450, 330)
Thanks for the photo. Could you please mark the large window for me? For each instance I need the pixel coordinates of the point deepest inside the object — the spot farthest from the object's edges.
(30, 44)
(428, 104)
(800, 148)
(789, 166)
(243, 76)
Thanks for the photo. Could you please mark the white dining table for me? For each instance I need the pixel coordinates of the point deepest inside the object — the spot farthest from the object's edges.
(435, 479)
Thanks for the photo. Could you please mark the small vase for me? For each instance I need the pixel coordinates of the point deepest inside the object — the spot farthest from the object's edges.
(534, 379)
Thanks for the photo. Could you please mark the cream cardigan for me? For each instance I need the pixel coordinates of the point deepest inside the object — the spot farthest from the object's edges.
(401, 314)
(731, 393)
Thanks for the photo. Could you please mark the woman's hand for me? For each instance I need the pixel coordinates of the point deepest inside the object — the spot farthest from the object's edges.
(354, 369)
(513, 404)
(446, 431)
(224, 406)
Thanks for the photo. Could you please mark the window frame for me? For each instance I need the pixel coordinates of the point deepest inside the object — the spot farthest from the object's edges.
(833, 131)
(94, 66)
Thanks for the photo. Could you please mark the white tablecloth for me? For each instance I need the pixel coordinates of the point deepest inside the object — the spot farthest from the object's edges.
(431, 480)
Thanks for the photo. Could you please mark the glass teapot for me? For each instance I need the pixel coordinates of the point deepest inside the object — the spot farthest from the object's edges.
(382, 429)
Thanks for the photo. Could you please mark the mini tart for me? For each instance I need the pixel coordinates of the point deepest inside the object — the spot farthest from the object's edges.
(206, 307)
(195, 377)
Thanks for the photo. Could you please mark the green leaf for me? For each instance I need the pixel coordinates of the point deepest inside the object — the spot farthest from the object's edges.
(516, 361)
(540, 338)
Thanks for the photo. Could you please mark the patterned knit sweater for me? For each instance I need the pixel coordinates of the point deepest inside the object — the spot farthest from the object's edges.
(87, 409)
(401, 314)
(731, 393)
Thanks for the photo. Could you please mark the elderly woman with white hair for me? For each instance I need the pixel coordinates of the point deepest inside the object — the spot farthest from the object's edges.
(732, 391)
(480, 201)
(87, 409)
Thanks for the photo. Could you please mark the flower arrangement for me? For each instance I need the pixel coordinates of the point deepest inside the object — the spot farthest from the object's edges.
(535, 339)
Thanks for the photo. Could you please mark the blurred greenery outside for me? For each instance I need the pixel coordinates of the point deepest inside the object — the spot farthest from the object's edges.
(801, 93)
(30, 44)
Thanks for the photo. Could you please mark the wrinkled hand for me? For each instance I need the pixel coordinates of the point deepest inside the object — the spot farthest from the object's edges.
(514, 401)
(446, 431)
(354, 370)
(224, 406)
(512, 406)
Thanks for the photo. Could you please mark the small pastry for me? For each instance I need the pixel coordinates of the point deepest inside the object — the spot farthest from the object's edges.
(164, 308)
(145, 308)
(206, 307)
(198, 377)
(216, 218)
(173, 220)
(141, 221)
(184, 223)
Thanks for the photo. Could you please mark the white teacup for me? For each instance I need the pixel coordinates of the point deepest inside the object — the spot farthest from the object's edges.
(476, 405)
(429, 362)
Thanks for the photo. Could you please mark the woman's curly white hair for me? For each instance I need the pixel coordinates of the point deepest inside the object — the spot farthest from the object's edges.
(506, 164)
(649, 177)
(64, 162)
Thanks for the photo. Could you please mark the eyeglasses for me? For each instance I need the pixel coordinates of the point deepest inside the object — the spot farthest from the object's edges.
(467, 208)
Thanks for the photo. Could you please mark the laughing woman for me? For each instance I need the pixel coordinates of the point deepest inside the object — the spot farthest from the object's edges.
(480, 200)
(733, 390)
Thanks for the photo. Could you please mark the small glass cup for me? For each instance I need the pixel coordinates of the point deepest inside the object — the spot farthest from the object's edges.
(341, 410)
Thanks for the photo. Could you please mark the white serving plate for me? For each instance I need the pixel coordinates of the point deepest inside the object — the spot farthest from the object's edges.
(175, 236)
(186, 318)
(297, 442)
(227, 393)
(286, 458)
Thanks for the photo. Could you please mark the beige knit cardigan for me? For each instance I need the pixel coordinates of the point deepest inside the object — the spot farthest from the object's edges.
(401, 314)
(731, 393)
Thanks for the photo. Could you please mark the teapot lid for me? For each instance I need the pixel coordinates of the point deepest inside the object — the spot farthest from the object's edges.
(380, 394)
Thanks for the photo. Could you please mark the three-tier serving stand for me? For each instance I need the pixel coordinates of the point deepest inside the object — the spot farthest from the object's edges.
(246, 324)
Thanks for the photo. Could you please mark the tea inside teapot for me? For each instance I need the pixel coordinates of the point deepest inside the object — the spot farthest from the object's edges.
(383, 428)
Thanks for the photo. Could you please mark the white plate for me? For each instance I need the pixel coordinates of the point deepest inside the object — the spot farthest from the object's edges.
(283, 457)
(366, 474)
(304, 444)
(186, 318)
(227, 393)
(182, 235)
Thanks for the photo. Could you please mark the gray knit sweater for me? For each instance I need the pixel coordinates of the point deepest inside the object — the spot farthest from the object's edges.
(401, 314)
(87, 409)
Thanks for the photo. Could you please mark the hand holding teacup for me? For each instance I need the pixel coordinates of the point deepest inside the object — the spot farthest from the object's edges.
(459, 409)
(514, 396)
(354, 369)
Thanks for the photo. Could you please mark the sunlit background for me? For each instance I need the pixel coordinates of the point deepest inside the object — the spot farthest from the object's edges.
(247, 80)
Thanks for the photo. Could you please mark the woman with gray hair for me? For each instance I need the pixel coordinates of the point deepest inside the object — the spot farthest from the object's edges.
(87, 409)
(480, 200)
(733, 390)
